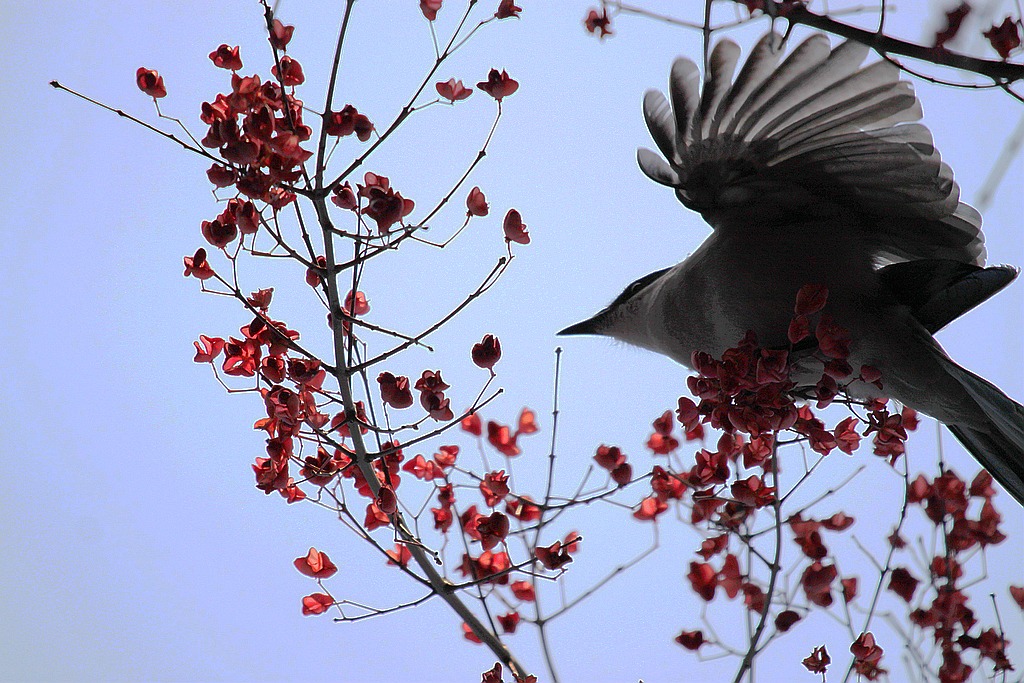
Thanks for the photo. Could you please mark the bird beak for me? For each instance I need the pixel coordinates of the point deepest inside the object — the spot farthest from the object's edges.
(588, 326)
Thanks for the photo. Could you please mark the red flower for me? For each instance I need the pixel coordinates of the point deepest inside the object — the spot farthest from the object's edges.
(650, 508)
(903, 584)
(609, 457)
(291, 72)
(221, 176)
(219, 234)
(1005, 38)
(595, 22)
(810, 299)
(344, 198)
(527, 422)
(487, 352)
(430, 9)
(446, 457)
(785, 620)
(849, 589)
(452, 90)
(523, 590)
(385, 206)
(472, 424)
(522, 509)
(501, 437)
(400, 555)
(954, 18)
(498, 85)
(226, 57)
(553, 556)
(467, 632)
(506, 9)
(494, 674)
(691, 640)
(704, 579)
(150, 82)
(348, 121)
(476, 203)
(494, 487)
(280, 35)
(514, 228)
(492, 529)
(386, 500)
(867, 654)
(316, 603)
(1017, 593)
(817, 581)
(316, 564)
(509, 621)
(817, 662)
(207, 348)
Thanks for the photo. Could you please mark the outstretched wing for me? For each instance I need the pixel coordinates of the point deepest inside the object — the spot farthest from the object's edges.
(813, 136)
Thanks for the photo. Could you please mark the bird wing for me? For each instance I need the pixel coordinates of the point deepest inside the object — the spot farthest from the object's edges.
(813, 136)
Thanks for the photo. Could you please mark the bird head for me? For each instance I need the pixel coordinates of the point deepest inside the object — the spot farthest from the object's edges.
(625, 318)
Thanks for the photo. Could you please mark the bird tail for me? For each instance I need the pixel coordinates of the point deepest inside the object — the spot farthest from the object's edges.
(999, 444)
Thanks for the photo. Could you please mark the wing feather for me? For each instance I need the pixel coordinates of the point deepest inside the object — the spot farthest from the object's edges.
(787, 141)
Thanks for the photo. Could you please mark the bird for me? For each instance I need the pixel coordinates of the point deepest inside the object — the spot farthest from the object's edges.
(814, 169)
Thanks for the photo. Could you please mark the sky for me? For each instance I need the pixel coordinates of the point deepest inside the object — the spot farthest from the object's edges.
(134, 545)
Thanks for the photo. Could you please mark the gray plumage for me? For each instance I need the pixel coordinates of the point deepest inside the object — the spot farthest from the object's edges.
(813, 170)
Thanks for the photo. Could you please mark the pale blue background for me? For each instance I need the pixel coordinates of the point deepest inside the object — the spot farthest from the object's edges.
(133, 545)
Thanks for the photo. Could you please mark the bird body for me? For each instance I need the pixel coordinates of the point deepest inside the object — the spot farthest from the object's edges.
(815, 172)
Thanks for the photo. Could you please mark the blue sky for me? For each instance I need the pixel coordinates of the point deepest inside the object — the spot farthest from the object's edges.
(134, 544)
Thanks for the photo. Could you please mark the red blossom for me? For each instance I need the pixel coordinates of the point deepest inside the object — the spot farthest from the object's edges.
(527, 422)
(595, 22)
(553, 556)
(609, 457)
(785, 620)
(344, 197)
(472, 424)
(207, 348)
(810, 299)
(703, 579)
(492, 529)
(486, 353)
(385, 205)
(494, 487)
(316, 565)
(498, 84)
(506, 9)
(226, 57)
(903, 583)
(514, 228)
(502, 438)
(394, 391)
(691, 640)
(817, 583)
(849, 589)
(817, 662)
(522, 509)
(316, 603)
(430, 8)
(280, 35)
(290, 72)
(954, 18)
(467, 632)
(348, 121)
(476, 203)
(867, 654)
(453, 91)
(150, 82)
(509, 621)
(400, 555)
(1017, 593)
(650, 508)
(197, 266)
(1004, 38)
(523, 590)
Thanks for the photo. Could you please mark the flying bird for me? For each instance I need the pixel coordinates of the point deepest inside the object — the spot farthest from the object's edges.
(813, 169)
